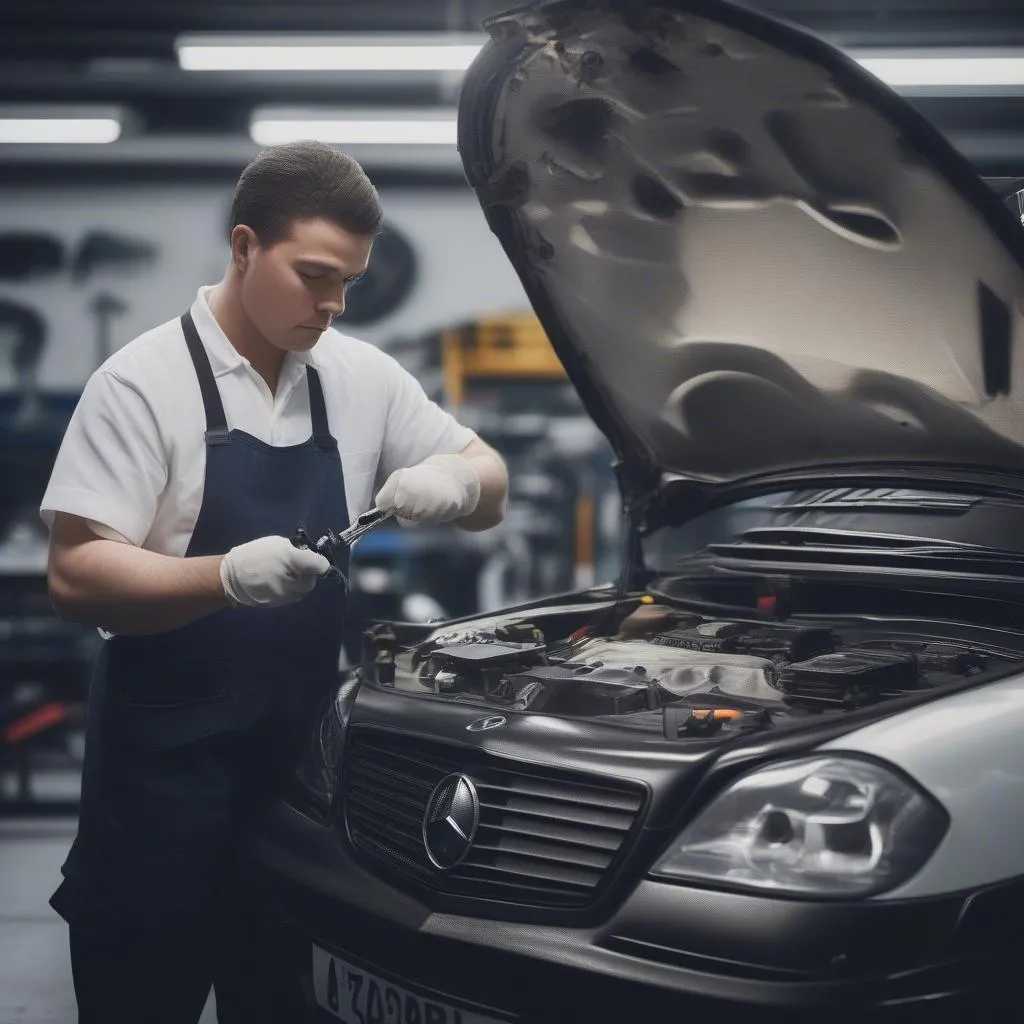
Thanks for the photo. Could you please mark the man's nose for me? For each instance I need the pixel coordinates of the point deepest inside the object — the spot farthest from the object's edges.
(333, 306)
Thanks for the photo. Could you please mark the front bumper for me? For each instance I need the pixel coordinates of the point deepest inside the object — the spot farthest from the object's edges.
(668, 949)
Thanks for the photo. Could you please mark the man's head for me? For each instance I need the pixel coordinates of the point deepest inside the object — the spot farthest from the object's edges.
(303, 220)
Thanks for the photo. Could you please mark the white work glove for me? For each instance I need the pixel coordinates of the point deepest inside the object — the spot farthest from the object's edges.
(269, 572)
(438, 490)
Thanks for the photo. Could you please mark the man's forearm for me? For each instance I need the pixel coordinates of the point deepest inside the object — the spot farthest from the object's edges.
(127, 590)
(491, 507)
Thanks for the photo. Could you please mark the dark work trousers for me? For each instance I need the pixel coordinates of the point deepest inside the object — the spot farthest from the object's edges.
(187, 733)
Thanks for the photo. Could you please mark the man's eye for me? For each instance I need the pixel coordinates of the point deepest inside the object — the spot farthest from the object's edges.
(311, 277)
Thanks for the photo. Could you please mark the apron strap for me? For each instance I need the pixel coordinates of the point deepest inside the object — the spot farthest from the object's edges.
(318, 411)
(216, 422)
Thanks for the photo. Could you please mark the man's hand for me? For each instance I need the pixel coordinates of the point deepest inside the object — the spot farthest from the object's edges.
(270, 572)
(438, 490)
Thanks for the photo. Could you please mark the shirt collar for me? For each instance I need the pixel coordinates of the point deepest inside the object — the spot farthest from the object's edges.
(223, 355)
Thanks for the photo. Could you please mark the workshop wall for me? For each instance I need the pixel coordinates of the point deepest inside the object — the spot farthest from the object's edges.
(84, 270)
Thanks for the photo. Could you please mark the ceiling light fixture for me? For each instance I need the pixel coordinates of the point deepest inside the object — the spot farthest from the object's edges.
(271, 127)
(947, 69)
(454, 52)
(44, 125)
(320, 53)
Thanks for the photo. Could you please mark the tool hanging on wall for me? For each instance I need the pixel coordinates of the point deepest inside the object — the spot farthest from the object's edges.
(104, 308)
(29, 255)
(23, 338)
(101, 250)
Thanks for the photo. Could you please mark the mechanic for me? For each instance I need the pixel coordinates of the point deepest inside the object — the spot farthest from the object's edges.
(193, 455)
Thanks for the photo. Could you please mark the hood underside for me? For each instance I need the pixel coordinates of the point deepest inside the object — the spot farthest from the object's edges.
(750, 255)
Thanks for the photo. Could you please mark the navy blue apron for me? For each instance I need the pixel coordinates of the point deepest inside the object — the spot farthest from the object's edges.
(188, 730)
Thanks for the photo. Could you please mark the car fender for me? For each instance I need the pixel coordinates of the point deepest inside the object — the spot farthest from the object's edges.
(967, 751)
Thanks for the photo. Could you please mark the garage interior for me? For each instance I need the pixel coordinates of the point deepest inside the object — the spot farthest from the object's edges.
(104, 237)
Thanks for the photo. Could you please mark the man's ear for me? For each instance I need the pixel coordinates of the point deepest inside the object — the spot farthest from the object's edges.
(243, 244)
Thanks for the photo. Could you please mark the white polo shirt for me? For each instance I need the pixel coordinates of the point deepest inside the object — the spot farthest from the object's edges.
(134, 454)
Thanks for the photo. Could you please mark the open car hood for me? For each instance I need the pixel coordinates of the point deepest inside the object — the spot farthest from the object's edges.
(751, 256)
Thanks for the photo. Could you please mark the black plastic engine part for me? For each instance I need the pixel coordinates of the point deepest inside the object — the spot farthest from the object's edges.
(950, 660)
(941, 659)
(380, 645)
(582, 690)
(716, 637)
(483, 667)
(384, 667)
(850, 677)
(785, 643)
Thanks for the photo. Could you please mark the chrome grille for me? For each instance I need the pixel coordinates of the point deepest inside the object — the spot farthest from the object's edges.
(546, 837)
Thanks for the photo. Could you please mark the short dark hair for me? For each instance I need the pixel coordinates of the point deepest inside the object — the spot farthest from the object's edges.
(304, 181)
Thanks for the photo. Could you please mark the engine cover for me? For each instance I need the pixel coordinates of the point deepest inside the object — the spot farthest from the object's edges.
(683, 672)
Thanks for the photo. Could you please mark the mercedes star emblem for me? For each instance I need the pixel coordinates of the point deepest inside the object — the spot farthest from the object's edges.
(450, 821)
(483, 724)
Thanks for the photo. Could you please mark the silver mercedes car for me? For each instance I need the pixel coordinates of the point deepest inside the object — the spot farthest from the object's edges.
(775, 771)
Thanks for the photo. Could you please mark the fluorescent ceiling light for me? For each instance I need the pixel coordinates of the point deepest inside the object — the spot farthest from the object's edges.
(317, 53)
(42, 125)
(271, 127)
(945, 70)
(453, 52)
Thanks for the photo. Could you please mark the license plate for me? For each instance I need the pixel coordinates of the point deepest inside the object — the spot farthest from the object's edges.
(357, 996)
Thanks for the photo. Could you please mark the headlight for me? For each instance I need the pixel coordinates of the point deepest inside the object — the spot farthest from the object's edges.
(822, 826)
(312, 786)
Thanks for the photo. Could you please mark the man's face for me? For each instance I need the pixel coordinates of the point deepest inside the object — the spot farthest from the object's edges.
(291, 291)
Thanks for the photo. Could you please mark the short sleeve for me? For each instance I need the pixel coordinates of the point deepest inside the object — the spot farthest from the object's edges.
(416, 427)
(112, 465)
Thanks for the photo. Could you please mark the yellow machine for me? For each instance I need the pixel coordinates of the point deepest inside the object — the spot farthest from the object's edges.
(515, 348)
(500, 347)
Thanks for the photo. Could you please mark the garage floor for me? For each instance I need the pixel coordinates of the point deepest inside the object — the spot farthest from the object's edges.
(35, 973)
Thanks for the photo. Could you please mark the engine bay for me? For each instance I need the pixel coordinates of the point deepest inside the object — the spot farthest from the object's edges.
(659, 667)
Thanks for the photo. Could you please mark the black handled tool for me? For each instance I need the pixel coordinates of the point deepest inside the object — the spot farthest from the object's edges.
(334, 546)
